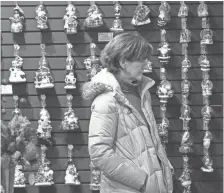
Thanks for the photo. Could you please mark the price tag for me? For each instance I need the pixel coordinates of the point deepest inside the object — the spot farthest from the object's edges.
(105, 37)
(6, 89)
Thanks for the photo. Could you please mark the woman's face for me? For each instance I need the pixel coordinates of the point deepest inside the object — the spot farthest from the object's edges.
(132, 72)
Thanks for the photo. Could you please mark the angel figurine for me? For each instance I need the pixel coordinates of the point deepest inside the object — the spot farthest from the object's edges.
(41, 17)
(17, 21)
(70, 120)
(94, 18)
(141, 15)
(164, 14)
(70, 19)
(71, 176)
(19, 180)
(16, 73)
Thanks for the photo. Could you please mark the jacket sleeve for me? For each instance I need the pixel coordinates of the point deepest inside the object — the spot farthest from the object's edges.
(102, 129)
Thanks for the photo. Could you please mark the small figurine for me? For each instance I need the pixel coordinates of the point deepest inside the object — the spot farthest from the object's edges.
(117, 25)
(19, 180)
(204, 63)
(16, 73)
(44, 123)
(207, 164)
(70, 120)
(71, 176)
(164, 50)
(186, 143)
(141, 15)
(202, 9)
(185, 86)
(70, 80)
(92, 63)
(185, 178)
(184, 9)
(164, 91)
(186, 63)
(70, 19)
(163, 130)
(148, 67)
(164, 14)
(95, 178)
(2, 189)
(43, 78)
(206, 112)
(42, 17)
(185, 36)
(44, 176)
(94, 18)
(207, 141)
(185, 113)
(207, 86)
(17, 21)
(206, 36)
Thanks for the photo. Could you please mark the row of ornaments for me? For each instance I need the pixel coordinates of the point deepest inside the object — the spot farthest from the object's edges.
(94, 18)
(44, 175)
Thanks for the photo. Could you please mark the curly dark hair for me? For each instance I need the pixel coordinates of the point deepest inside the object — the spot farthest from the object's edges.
(128, 46)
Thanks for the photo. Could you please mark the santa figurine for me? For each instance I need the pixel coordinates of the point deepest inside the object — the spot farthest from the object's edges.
(70, 19)
(141, 15)
(94, 18)
(71, 176)
(17, 21)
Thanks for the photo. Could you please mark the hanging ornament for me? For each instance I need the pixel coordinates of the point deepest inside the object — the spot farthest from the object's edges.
(164, 49)
(184, 9)
(16, 73)
(92, 63)
(164, 91)
(185, 36)
(206, 36)
(185, 178)
(70, 19)
(70, 120)
(202, 9)
(41, 16)
(186, 143)
(148, 67)
(94, 18)
(70, 80)
(18, 20)
(117, 24)
(95, 178)
(44, 176)
(19, 180)
(71, 176)
(163, 129)
(164, 14)
(141, 15)
(43, 78)
(44, 122)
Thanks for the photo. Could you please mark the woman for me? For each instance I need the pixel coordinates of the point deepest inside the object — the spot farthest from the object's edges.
(123, 138)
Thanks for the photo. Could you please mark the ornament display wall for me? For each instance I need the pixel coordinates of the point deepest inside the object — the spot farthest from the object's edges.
(56, 41)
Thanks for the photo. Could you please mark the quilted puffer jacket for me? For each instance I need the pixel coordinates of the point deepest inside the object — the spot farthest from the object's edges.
(126, 151)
